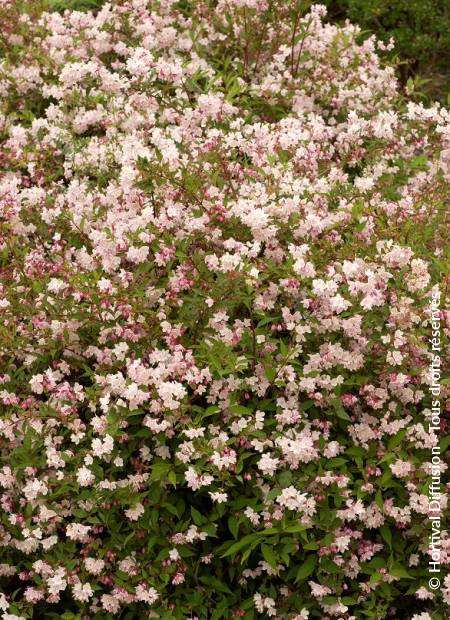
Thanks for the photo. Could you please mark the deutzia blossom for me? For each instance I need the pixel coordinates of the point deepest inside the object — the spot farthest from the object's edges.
(219, 497)
(57, 582)
(102, 447)
(135, 512)
(268, 464)
(77, 531)
(292, 499)
(82, 592)
(85, 477)
(196, 481)
(94, 565)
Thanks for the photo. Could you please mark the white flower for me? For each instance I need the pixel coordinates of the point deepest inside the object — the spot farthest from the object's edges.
(56, 286)
(196, 481)
(291, 498)
(303, 615)
(219, 497)
(77, 531)
(146, 595)
(82, 592)
(134, 513)
(34, 488)
(94, 565)
(85, 477)
(252, 515)
(3, 602)
(49, 542)
(268, 465)
(102, 448)
(57, 583)
(36, 383)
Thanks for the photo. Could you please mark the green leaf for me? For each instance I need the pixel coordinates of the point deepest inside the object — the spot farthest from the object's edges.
(240, 409)
(293, 529)
(374, 564)
(285, 478)
(396, 439)
(330, 566)
(375, 578)
(218, 613)
(160, 470)
(355, 451)
(379, 500)
(445, 443)
(337, 462)
(197, 517)
(240, 544)
(269, 555)
(386, 534)
(170, 507)
(340, 411)
(306, 568)
(329, 600)
(270, 372)
(210, 580)
(210, 411)
(397, 570)
(305, 405)
(233, 526)
(386, 478)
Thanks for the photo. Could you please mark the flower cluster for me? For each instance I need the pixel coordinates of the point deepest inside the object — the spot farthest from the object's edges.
(220, 227)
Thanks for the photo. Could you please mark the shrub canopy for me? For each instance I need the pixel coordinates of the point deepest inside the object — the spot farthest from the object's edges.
(220, 229)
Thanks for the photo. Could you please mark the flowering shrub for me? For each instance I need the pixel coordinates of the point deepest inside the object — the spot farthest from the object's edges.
(421, 35)
(220, 230)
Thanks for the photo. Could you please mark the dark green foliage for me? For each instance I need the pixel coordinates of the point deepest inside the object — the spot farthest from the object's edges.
(74, 5)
